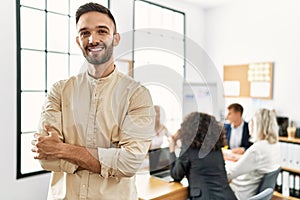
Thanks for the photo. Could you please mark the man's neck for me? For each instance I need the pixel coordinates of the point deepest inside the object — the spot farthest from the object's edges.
(101, 71)
(237, 123)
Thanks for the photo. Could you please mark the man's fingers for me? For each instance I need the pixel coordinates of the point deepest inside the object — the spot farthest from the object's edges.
(40, 156)
(51, 131)
(33, 142)
(34, 149)
(36, 135)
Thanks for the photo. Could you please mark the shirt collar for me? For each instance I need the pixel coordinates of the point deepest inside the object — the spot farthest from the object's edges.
(239, 127)
(104, 79)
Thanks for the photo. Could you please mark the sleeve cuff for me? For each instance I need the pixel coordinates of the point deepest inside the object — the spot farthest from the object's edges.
(68, 167)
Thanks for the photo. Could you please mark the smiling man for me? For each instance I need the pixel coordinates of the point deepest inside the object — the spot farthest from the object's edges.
(96, 127)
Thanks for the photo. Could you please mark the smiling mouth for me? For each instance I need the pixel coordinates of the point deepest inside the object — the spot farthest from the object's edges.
(95, 49)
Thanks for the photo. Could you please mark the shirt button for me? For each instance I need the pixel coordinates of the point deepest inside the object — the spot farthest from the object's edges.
(83, 185)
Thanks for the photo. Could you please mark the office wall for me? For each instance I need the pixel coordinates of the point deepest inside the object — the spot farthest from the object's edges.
(254, 31)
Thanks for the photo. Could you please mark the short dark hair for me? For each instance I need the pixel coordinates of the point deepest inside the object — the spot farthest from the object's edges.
(197, 126)
(89, 7)
(236, 107)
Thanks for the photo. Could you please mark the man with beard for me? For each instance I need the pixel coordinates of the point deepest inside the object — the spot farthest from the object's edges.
(96, 127)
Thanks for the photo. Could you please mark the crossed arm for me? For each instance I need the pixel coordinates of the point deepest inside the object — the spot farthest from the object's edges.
(51, 147)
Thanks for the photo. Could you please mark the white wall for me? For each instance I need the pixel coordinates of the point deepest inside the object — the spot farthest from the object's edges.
(253, 31)
(34, 188)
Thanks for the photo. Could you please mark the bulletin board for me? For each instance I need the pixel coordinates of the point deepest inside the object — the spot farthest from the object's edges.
(254, 80)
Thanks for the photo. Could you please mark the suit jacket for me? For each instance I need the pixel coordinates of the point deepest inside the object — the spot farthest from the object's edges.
(245, 135)
(207, 177)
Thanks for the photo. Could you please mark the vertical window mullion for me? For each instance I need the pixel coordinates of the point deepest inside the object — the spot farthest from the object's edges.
(69, 33)
(46, 51)
(18, 7)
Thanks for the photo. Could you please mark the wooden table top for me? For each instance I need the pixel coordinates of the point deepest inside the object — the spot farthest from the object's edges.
(150, 187)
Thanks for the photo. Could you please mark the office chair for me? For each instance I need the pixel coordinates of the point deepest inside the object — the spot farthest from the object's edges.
(266, 186)
(264, 195)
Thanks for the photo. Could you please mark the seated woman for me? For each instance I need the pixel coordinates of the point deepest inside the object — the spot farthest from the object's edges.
(201, 159)
(162, 134)
(262, 157)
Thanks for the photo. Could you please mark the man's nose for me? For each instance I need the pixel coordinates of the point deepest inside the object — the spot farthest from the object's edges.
(93, 38)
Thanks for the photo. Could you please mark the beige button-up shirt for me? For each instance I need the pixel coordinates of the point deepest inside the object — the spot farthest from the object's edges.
(113, 114)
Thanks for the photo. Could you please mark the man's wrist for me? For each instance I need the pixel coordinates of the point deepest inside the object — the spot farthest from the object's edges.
(63, 151)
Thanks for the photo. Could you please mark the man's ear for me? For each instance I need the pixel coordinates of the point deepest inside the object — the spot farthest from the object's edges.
(116, 39)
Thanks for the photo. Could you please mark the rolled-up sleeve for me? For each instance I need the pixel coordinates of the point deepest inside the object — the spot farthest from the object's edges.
(136, 133)
(51, 115)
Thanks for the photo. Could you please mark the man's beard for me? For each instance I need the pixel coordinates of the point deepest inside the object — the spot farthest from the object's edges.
(98, 60)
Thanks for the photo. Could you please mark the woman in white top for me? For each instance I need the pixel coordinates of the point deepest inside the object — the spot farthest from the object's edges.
(261, 158)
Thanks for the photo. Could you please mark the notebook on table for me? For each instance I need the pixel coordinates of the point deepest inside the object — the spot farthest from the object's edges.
(159, 163)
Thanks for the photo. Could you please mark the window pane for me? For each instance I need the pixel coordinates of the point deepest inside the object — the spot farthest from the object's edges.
(29, 164)
(178, 23)
(33, 70)
(170, 104)
(31, 103)
(59, 6)
(76, 63)
(57, 68)
(33, 3)
(142, 19)
(152, 16)
(150, 57)
(155, 16)
(74, 49)
(168, 20)
(32, 34)
(57, 32)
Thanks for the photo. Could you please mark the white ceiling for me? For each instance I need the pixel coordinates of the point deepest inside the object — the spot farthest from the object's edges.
(206, 4)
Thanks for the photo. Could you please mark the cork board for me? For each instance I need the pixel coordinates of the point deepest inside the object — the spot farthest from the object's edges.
(253, 80)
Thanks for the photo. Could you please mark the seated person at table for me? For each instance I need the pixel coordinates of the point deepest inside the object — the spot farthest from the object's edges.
(261, 158)
(237, 132)
(162, 134)
(201, 159)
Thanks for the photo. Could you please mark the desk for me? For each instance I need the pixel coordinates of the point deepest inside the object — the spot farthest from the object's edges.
(149, 187)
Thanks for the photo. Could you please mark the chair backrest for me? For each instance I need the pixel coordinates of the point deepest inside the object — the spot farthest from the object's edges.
(265, 194)
(268, 180)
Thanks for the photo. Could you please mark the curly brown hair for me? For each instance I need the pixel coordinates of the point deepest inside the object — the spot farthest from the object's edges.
(201, 129)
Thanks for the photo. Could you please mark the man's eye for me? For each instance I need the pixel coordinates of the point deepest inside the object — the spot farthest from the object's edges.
(102, 31)
(84, 33)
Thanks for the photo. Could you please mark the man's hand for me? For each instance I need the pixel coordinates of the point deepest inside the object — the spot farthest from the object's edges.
(47, 147)
(51, 147)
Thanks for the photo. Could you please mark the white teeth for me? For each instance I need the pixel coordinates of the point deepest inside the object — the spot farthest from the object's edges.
(96, 49)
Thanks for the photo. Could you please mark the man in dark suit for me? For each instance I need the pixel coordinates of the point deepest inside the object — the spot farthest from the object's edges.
(237, 132)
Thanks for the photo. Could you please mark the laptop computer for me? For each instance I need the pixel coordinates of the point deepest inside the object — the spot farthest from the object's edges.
(159, 163)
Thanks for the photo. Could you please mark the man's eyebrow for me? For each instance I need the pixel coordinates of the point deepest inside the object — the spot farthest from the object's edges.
(100, 26)
(103, 26)
(82, 29)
